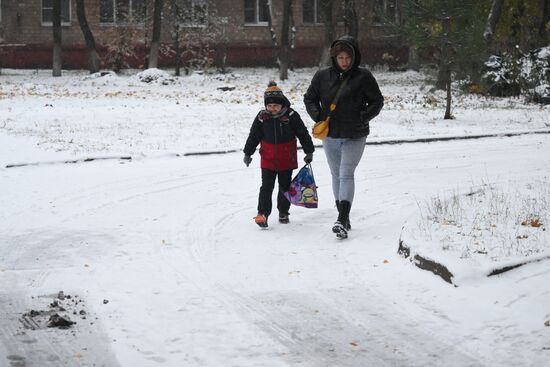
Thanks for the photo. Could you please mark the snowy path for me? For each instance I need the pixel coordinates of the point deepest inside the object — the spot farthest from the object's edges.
(190, 281)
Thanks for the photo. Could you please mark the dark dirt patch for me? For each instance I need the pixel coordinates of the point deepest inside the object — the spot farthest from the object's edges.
(56, 313)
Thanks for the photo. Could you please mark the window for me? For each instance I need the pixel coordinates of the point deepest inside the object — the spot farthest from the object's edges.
(312, 12)
(122, 11)
(385, 11)
(47, 12)
(192, 13)
(256, 12)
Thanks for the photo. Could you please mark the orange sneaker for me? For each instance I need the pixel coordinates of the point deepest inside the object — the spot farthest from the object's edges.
(261, 220)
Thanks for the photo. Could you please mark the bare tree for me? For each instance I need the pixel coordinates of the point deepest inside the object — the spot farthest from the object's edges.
(329, 32)
(56, 61)
(88, 37)
(545, 21)
(155, 42)
(351, 24)
(221, 45)
(446, 65)
(199, 37)
(272, 32)
(1, 41)
(492, 20)
(176, 12)
(284, 52)
(414, 60)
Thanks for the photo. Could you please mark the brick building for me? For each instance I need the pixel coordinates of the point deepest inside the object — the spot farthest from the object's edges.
(237, 28)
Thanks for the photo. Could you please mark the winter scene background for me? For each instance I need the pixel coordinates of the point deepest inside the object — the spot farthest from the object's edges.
(146, 250)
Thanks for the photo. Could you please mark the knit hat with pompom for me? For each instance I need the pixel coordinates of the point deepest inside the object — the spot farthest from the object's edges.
(274, 94)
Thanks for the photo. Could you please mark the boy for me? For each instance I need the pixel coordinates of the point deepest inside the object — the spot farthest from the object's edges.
(276, 129)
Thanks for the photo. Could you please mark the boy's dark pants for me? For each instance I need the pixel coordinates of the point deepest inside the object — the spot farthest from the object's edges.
(268, 184)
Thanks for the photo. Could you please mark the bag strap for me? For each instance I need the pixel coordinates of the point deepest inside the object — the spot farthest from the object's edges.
(308, 166)
(332, 106)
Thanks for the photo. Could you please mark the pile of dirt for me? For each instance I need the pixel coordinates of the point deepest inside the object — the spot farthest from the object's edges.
(57, 314)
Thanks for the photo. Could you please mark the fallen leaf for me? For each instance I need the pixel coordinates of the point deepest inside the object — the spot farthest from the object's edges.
(386, 261)
(536, 223)
(355, 343)
(547, 323)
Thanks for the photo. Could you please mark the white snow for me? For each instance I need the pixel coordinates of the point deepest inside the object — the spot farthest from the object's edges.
(169, 242)
(489, 228)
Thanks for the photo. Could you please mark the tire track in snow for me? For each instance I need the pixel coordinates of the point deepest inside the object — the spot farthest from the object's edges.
(326, 337)
(316, 331)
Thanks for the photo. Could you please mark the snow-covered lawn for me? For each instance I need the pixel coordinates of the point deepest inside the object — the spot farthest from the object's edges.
(488, 230)
(164, 259)
(82, 115)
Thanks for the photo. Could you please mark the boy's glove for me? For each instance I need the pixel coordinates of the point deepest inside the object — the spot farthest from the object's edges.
(247, 159)
(308, 158)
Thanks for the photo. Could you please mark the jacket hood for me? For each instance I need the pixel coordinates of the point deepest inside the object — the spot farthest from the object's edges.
(351, 42)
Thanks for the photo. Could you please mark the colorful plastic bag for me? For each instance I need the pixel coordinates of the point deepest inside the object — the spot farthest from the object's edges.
(303, 191)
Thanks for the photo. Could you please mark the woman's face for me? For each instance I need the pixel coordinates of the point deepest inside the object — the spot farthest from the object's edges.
(274, 108)
(343, 59)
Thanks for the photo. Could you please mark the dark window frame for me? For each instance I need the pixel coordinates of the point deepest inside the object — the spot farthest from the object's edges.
(115, 15)
(316, 13)
(257, 21)
(65, 5)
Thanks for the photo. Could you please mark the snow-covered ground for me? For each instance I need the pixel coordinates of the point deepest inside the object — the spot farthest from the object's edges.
(164, 265)
(79, 115)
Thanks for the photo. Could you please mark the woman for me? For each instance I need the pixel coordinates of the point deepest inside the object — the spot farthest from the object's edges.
(358, 101)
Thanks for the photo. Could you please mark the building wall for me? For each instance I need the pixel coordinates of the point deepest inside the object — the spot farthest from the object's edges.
(26, 42)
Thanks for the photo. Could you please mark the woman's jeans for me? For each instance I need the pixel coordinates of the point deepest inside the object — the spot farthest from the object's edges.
(343, 156)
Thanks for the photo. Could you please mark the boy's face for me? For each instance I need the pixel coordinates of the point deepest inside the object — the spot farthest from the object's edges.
(274, 108)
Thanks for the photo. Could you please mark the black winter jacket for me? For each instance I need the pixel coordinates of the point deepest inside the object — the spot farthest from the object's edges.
(359, 102)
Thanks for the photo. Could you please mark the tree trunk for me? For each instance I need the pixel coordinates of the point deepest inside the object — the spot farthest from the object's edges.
(414, 61)
(56, 61)
(155, 41)
(272, 32)
(292, 42)
(446, 59)
(176, 11)
(177, 50)
(284, 54)
(329, 32)
(492, 20)
(350, 19)
(88, 37)
(545, 22)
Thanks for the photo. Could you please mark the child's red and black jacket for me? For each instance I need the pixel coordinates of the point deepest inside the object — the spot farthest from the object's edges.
(277, 139)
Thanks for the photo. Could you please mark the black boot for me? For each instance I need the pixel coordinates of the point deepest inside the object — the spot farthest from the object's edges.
(340, 226)
(347, 225)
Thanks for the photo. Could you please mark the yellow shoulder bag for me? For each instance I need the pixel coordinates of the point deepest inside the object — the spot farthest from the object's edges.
(320, 129)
